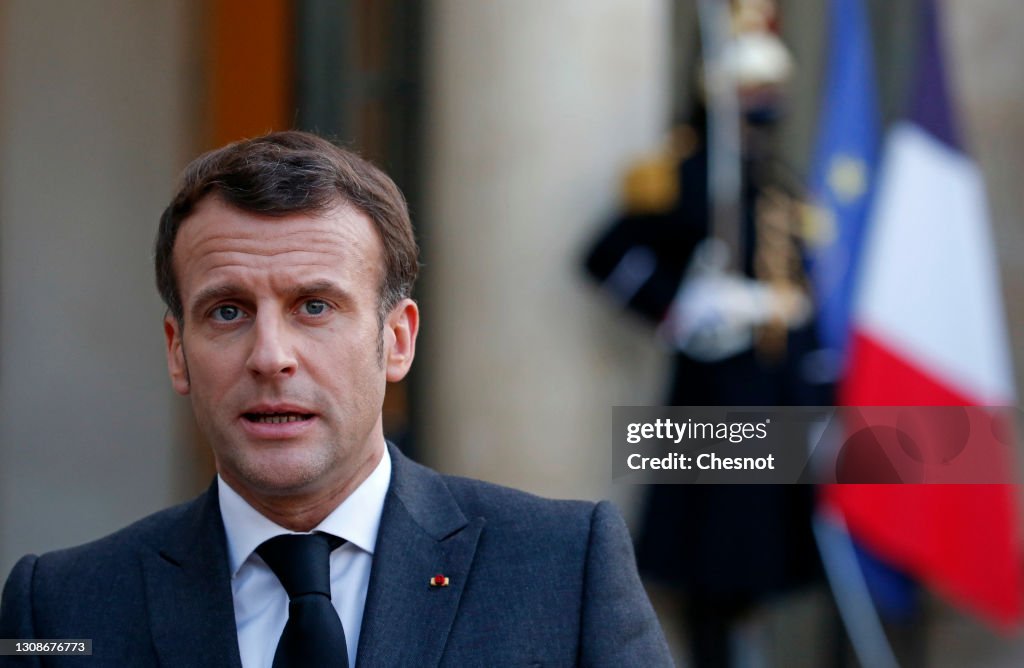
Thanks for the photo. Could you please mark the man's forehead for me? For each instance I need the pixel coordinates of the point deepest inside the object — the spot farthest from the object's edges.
(215, 222)
(220, 236)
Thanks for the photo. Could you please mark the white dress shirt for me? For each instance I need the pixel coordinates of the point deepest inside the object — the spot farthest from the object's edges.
(261, 604)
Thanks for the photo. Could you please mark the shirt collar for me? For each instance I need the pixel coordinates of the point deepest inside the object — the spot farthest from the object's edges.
(356, 519)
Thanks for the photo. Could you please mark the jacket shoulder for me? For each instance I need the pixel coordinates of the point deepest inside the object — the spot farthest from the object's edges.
(150, 532)
(535, 527)
(95, 572)
(62, 593)
(505, 507)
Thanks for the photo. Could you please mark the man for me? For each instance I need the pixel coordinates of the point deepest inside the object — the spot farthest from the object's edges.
(287, 266)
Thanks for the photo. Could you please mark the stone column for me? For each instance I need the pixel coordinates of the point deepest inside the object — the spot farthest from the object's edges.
(533, 111)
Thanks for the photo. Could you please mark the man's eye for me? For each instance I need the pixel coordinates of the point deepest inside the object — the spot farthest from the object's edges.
(314, 307)
(226, 313)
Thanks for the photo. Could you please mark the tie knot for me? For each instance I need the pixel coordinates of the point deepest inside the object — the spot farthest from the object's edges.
(301, 562)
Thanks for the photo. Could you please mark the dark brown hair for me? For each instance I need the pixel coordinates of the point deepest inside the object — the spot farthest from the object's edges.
(292, 172)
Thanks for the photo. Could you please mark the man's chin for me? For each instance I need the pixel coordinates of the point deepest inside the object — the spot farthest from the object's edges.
(278, 474)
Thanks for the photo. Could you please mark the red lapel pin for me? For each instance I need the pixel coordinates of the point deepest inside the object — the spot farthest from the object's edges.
(439, 581)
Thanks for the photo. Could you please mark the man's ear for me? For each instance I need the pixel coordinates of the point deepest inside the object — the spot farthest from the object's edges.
(400, 329)
(176, 365)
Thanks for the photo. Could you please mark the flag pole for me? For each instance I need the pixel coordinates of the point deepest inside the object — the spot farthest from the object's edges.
(724, 139)
(850, 590)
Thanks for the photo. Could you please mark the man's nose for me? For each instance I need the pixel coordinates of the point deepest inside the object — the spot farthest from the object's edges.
(272, 353)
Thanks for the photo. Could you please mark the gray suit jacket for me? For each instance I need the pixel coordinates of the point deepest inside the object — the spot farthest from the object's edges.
(533, 582)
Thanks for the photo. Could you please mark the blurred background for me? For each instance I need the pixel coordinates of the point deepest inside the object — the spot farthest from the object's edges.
(563, 161)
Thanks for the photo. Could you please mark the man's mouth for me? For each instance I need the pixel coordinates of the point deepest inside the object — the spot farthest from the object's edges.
(277, 418)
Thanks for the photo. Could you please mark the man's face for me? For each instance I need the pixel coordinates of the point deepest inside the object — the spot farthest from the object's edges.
(280, 347)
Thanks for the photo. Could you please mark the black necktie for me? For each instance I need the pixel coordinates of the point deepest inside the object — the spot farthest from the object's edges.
(313, 635)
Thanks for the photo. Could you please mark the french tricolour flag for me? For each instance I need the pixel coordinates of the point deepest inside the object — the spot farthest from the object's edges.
(928, 329)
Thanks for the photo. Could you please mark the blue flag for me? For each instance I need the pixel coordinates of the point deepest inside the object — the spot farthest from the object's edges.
(842, 185)
(843, 171)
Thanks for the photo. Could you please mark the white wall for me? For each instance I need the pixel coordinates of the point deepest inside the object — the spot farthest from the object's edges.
(94, 114)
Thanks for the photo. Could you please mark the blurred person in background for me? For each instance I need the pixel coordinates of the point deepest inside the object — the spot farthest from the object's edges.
(743, 336)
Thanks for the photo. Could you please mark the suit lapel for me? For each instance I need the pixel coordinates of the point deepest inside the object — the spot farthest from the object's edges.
(188, 591)
(422, 533)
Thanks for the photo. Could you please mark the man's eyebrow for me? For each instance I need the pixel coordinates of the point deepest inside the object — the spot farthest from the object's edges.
(214, 293)
(323, 288)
